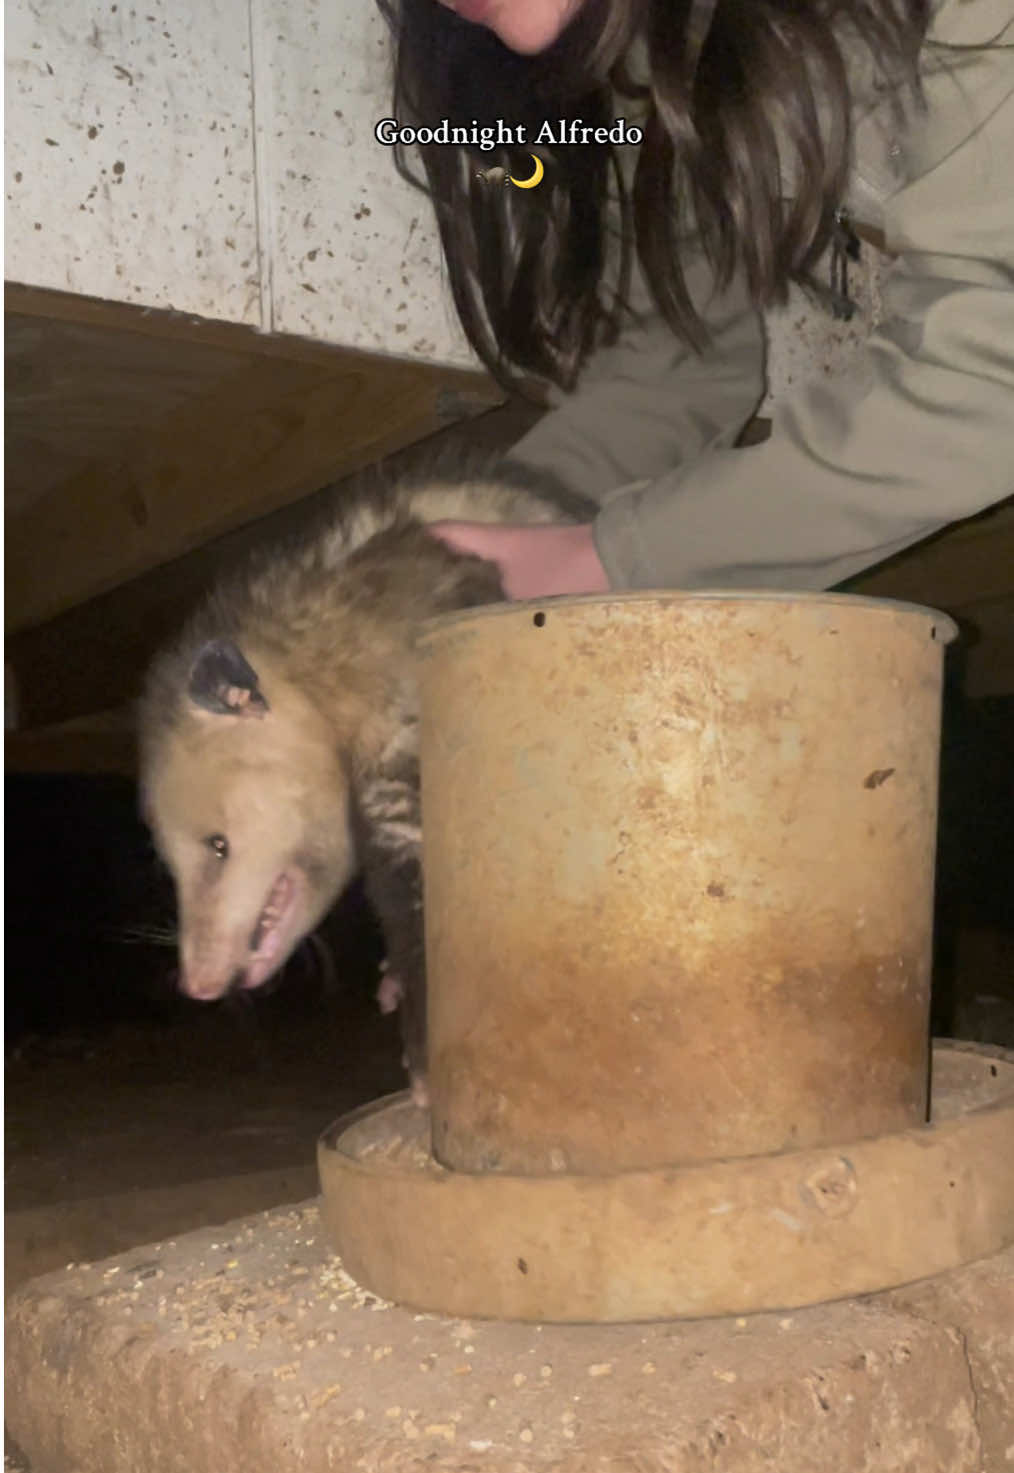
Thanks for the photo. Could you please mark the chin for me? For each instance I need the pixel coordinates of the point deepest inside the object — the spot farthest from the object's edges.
(533, 25)
(526, 40)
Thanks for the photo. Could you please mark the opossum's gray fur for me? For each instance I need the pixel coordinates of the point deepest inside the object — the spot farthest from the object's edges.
(288, 709)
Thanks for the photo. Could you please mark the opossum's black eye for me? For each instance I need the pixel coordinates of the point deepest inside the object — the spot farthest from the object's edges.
(219, 845)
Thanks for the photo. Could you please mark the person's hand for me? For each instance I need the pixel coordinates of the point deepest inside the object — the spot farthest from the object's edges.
(534, 562)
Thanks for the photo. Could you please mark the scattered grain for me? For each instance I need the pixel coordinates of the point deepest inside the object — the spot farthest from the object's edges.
(446, 1430)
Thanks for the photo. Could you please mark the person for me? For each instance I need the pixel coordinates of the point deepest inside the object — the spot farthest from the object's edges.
(633, 279)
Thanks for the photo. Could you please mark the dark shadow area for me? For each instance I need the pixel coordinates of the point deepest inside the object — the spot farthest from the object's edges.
(974, 951)
(90, 918)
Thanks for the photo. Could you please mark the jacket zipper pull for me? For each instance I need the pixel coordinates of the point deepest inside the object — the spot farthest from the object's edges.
(845, 247)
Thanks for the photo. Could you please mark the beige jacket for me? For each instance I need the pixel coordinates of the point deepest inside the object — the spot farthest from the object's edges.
(919, 432)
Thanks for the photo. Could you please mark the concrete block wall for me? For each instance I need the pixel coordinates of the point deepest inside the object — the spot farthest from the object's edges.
(219, 158)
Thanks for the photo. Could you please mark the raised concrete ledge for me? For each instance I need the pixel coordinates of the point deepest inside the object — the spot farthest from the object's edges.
(976, 1305)
(247, 1348)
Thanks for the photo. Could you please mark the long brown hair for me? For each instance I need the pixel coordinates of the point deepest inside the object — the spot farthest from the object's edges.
(734, 97)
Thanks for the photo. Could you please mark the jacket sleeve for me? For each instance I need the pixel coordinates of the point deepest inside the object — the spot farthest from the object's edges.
(919, 433)
(650, 402)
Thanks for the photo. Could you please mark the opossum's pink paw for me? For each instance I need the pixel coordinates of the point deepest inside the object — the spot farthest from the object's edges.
(420, 1092)
(389, 993)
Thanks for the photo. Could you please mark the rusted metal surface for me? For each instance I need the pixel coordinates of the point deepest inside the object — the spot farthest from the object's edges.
(679, 876)
(713, 1238)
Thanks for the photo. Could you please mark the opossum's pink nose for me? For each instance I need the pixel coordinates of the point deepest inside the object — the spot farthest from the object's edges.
(217, 956)
(206, 986)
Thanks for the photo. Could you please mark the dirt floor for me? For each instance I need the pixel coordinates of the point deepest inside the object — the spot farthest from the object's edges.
(119, 1134)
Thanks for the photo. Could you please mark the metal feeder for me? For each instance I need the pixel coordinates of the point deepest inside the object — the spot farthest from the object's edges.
(678, 894)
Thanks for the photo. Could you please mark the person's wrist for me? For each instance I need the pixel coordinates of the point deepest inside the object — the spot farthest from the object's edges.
(590, 570)
(548, 561)
(535, 561)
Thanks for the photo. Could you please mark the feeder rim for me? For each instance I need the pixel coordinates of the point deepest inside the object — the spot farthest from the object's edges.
(944, 630)
(1000, 1099)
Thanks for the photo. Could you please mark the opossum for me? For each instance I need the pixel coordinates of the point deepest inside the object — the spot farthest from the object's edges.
(279, 736)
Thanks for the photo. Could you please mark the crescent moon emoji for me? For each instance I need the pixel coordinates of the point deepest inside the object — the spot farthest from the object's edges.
(536, 177)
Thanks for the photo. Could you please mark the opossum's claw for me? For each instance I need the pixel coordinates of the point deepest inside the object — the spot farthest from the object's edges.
(418, 1086)
(390, 992)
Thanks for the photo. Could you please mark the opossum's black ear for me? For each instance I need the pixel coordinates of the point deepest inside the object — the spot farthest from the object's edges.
(224, 682)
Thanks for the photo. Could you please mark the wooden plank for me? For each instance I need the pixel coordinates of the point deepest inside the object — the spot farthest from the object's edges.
(987, 646)
(968, 571)
(969, 562)
(101, 743)
(186, 328)
(77, 393)
(273, 422)
(168, 326)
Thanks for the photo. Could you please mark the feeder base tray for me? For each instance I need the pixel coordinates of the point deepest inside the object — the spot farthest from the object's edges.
(724, 1237)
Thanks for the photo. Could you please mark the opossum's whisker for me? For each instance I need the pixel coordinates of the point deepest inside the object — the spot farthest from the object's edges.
(154, 934)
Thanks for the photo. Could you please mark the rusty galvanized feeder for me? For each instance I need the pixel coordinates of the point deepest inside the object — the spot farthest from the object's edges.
(662, 831)
(718, 1237)
(679, 870)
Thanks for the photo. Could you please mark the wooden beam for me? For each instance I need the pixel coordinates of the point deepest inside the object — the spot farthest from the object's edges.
(279, 420)
(962, 565)
(103, 743)
(177, 327)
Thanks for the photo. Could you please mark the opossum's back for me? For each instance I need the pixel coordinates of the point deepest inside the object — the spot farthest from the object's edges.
(372, 508)
(489, 501)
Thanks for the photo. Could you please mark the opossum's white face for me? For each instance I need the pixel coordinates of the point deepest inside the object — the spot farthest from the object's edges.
(249, 807)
